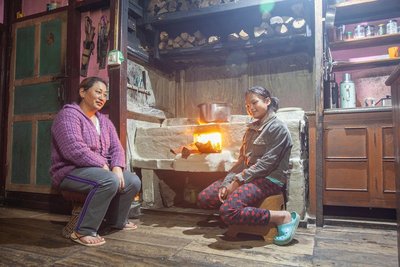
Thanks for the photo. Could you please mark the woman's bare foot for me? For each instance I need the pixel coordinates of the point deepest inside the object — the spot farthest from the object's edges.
(280, 217)
(130, 226)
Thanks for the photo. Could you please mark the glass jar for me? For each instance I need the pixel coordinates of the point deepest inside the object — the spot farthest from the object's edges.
(381, 29)
(359, 31)
(391, 26)
(369, 30)
(348, 36)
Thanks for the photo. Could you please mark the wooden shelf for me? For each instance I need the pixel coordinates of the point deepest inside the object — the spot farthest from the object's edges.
(174, 17)
(88, 5)
(346, 65)
(366, 42)
(355, 11)
(254, 48)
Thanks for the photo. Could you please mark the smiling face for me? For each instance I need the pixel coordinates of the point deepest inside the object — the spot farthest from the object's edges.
(94, 98)
(256, 105)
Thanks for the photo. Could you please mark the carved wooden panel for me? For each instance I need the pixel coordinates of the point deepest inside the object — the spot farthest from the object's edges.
(387, 142)
(346, 176)
(346, 143)
(389, 177)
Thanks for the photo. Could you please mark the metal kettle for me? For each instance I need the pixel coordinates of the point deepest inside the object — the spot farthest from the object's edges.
(386, 101)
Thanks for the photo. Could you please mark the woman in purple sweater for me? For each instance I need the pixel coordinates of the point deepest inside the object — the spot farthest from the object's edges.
(87, 157)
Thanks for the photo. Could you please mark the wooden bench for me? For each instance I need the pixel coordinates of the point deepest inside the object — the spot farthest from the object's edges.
(77, 199)
(268, 232)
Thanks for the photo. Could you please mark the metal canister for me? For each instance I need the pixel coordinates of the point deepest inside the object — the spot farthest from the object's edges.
(391, 26)
(381, 29)
(369, 30)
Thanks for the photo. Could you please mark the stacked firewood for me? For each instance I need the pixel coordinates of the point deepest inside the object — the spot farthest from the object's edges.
(279, 25)
(185, 40)
(158, 7)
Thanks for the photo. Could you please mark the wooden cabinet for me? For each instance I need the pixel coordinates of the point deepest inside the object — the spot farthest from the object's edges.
(394, 82)
(359, 165)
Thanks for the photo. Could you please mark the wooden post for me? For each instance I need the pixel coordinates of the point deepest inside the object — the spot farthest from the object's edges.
(73, 53)
(319, 108)
(118, 74)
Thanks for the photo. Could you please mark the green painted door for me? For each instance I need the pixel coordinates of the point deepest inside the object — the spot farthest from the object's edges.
(35, 98)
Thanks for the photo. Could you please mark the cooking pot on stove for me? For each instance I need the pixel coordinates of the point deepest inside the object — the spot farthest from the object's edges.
(214, 112)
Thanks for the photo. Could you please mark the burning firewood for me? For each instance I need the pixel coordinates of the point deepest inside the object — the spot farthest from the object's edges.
(186, 151)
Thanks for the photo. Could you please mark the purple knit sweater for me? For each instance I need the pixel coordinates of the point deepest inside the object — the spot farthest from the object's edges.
(76, 143)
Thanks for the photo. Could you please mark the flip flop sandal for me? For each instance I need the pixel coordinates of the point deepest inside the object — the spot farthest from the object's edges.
(286, 231)
(131, 226)
(78, 239)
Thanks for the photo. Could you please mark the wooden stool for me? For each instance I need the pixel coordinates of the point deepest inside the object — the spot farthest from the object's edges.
(268, 232)
(77, 199)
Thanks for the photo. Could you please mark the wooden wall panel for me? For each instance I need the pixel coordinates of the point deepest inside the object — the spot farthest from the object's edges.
(287, 77)
(388, 142)
(389, 177)
(164, 92)
(213, 84)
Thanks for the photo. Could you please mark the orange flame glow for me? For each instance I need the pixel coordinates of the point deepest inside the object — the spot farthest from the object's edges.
(214, 138)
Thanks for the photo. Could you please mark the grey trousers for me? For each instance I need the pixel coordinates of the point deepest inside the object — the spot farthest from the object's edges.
(104, 200)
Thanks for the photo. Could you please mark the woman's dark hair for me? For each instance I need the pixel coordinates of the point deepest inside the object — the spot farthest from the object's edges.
(88, 83)
(263, 92)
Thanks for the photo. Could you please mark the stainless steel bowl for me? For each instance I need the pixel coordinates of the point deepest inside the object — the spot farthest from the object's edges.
(214, 112)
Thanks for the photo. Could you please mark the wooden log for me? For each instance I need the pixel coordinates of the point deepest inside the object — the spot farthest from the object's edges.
(187, 45)
(299, 25)
(191, 39)
(281, 29)
(172, 6)
(162, 45)
(213, 39)
(177, 39)
(233, 37)
(184, 36)
(163, 36)
(243, 35)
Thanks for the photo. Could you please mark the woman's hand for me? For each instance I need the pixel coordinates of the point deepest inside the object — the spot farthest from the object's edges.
(222, 194)
(225, 191)
(118, 172)
(106, 167)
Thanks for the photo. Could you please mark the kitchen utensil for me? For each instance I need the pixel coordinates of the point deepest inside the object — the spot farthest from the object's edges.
(369, 102)
(214, 112)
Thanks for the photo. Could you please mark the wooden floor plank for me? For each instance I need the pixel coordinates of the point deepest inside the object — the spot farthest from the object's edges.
(31, 238)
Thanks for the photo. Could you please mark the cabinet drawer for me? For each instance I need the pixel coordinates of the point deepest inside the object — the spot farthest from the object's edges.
(346, 143)
(346, 176)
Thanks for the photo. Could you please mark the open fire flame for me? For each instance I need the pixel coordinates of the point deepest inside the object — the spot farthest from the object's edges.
(210, 142)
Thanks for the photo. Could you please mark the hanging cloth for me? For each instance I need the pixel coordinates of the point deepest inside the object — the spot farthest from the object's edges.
(88, 45)
(102, 41)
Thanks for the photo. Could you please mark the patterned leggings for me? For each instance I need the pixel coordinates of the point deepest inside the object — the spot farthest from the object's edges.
(239, 207)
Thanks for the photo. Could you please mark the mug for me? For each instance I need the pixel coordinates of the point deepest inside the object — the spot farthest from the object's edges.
(393, 51)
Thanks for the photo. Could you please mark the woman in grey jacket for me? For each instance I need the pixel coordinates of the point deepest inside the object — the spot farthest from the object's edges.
(261, 171)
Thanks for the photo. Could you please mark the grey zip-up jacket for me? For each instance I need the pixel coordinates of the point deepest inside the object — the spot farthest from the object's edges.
(265, 152)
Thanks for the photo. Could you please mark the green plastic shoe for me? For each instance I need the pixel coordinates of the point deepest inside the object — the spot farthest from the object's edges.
(286, 231)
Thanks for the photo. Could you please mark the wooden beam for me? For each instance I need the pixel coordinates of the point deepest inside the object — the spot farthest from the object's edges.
(319, 110)
(118, 74)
